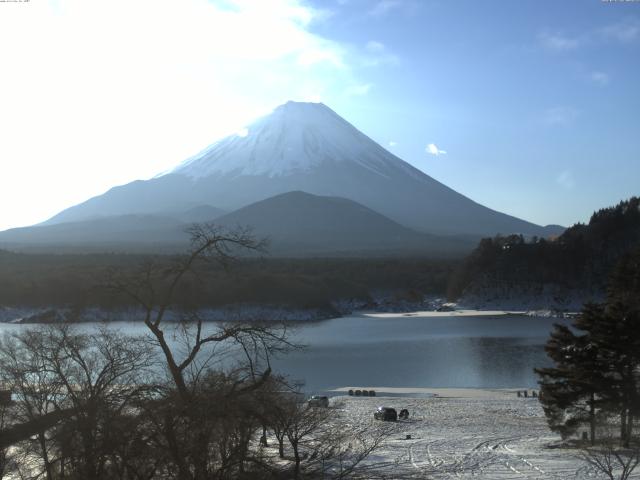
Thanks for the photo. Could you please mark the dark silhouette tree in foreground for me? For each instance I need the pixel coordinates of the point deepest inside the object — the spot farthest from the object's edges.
(569, 390)
(597, 362)
(187, 401)
(5, 456)
(196, 436)
(69, 389)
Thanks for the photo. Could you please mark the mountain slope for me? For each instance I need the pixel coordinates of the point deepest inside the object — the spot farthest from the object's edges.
(199, 214)
(298, 222)
(307, 147)
(120, 232)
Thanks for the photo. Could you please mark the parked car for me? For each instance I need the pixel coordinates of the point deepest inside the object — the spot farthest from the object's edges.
(386, 413)
(319, 401)
(446, 307)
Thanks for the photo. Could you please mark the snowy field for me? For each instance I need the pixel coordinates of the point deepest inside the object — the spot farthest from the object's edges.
(467, 433)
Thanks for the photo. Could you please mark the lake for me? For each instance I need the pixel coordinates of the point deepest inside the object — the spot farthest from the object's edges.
(412, 351)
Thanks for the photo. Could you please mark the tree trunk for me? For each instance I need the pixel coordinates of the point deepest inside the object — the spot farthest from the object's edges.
(3, 461)
(296, 455)
(280, 436)
(281, 447)
(199, 450)
(263, 439)
(45, 455)
(175, 372)
(592, 419)
(175, 451)
(628, 430)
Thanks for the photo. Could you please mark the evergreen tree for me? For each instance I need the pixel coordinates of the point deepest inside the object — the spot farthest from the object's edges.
(618, 337)
(597, 363)
(568, 391)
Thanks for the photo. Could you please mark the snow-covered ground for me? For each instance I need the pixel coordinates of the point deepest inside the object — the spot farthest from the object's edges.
(467, 433)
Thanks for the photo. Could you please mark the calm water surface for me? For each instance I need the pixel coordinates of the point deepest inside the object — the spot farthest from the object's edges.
(411, 351)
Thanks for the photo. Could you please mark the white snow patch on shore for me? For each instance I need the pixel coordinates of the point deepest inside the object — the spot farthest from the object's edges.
(468, 433)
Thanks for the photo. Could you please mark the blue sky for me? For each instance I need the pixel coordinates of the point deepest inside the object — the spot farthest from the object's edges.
(528, 107)
(536, 103)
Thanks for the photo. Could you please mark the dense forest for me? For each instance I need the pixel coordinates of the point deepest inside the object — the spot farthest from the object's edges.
(49, 280)
(579, 260)
(576, 263)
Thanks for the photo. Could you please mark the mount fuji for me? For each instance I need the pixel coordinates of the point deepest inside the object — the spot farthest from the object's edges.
(304, 147)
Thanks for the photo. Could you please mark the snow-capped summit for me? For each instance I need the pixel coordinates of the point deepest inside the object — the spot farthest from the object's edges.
(295, 138)
(303, 147)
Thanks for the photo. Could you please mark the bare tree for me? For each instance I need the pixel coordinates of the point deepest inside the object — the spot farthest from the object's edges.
(195, 436)
(301, 424)
(5, 409)
(22, 370)
(88, 406)
(69, 389)
(341, 453)
(611, 460)
(154, 289)
(320, 445)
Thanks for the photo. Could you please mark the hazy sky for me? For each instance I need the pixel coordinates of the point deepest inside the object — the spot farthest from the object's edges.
(530, 107)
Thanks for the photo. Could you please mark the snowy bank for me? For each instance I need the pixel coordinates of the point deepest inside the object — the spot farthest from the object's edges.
(465, 434)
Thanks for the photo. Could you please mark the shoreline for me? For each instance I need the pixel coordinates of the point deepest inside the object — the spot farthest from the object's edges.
(438, 392)
(467, 312)
(41, 315)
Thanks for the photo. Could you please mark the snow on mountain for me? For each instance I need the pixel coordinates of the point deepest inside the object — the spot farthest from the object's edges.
(295, 138)
(304, 147)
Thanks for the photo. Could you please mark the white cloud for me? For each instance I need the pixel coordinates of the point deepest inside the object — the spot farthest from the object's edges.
(392, 143)
(599, 78)
(560, 116)
(96, 94)
(432, 149)
(558, 42)
(383, 7)
(626, 31)
(565, 180)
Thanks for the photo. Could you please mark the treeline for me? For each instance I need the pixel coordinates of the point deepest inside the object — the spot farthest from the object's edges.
(580, 259)
(594, 382)
(45, 280)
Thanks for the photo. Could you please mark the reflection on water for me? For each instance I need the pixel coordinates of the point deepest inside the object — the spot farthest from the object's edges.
(482, 352)
(407, 351)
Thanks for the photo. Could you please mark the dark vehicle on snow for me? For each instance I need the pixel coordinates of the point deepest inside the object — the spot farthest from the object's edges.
(319, 401)
(386, 413)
